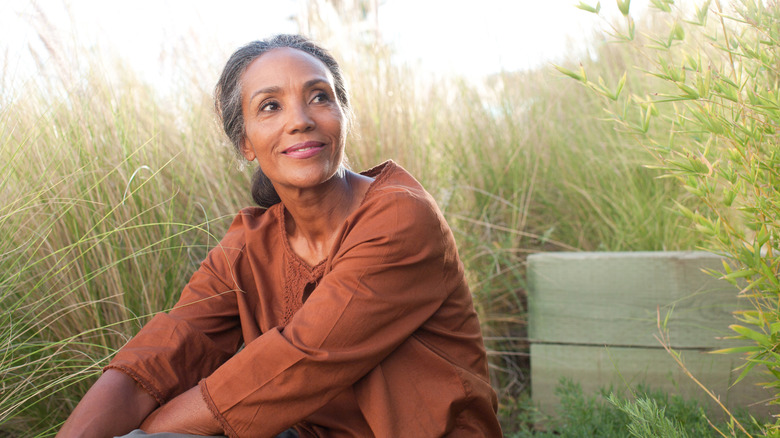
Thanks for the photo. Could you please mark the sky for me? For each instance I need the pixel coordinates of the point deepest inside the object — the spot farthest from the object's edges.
(469, 38)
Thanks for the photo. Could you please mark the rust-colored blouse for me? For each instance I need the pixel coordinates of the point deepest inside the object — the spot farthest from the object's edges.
(379, 339)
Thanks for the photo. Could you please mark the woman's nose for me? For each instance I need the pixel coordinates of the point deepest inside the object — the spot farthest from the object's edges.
(299, 119)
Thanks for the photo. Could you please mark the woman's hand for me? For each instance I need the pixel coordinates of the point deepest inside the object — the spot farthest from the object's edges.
(186, 413)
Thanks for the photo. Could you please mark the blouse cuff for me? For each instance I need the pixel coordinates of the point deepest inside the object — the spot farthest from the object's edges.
(204, 391)
(143, 383)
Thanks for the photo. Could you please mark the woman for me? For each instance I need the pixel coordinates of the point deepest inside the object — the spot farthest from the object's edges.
(344, 289)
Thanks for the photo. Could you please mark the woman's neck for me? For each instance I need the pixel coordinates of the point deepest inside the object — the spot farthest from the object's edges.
(315, 215)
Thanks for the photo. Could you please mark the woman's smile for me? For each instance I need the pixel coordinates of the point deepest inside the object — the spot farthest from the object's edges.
(304, 150)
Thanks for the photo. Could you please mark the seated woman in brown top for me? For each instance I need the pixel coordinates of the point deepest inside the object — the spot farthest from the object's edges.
(345, 290)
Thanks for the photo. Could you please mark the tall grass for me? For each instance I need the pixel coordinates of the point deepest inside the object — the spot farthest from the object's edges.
(110, 195)
(101, 226)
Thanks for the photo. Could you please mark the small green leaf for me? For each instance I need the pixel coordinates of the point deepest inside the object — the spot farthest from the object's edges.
(646, 117)
(677, 32)
(666, 318)
(733, 350)
(661, 5)
(742, 273)
(744, 372)
(620, 86)
(703, 83)
(687, 212)
(727, 89)
(760, 338)
(701, 13)
(588, 8)
(750, 316)
(624, 6)
(693, 63)
(728, 196)
(762, 237)
(690, 92)
(766, 270)
(569, 73)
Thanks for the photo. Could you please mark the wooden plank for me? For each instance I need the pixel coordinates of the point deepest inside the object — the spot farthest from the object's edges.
(612, 298)
(595, 368)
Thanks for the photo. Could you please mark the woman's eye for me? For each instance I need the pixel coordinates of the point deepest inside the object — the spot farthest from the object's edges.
(269, 106)
(321, 97)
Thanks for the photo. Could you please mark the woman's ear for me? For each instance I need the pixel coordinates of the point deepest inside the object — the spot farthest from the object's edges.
(247, 150)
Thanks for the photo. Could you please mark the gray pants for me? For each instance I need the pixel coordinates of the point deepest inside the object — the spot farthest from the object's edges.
(138, 433)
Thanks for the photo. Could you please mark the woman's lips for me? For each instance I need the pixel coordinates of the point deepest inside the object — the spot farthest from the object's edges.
(304, 150)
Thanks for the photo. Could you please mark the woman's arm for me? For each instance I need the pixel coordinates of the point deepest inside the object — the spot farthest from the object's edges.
(186, 413)
(170, 354)
(115, 405)
(394, 270)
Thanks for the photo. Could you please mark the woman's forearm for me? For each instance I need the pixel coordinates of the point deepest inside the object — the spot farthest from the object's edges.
(186, 413)
(115, 405)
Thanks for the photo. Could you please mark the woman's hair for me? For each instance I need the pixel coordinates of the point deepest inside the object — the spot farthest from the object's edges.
(228, 91)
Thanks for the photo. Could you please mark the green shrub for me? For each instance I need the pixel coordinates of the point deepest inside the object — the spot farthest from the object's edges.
(717, 97)
(644, 413)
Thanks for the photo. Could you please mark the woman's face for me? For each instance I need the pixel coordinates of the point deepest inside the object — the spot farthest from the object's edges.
(293, 123)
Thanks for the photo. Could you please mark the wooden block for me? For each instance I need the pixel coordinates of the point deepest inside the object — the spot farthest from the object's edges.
(596, 368)
(593, 318)
(614, 298)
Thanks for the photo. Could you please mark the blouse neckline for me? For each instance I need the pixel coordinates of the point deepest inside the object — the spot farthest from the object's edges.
(379, 173)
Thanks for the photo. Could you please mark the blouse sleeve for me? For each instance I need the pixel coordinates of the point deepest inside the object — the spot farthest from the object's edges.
(390, 275)
(173, 351)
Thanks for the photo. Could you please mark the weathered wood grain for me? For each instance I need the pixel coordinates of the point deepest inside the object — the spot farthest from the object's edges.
(593, 318)
(614, 298)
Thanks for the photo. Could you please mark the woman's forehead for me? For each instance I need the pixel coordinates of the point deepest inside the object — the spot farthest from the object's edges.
(282, 65)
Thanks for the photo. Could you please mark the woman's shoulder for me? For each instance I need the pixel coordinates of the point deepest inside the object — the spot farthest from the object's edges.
(397, 200)
(252, 225)
(253, 219)
(393, 182)
(399, 219)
